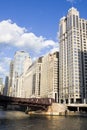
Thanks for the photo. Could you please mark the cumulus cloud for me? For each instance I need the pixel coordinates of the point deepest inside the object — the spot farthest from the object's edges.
(12, 34)
(14, 37)
(54, 50)
(3, 71)
(6, 60)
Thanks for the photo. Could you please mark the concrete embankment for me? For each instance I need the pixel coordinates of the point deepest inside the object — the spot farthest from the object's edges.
(58, 110)
(76, 113)
(54, 109)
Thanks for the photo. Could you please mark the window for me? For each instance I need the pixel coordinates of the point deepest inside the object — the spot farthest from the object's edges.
(83, 26)
(77, 21)
(73, 20)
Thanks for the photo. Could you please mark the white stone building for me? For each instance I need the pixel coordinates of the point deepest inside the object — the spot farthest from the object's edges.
(50, 76)
(73, 58)
(16, 69)
(32, 79)
(21, 88)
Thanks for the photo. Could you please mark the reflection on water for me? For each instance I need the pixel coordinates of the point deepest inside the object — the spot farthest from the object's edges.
(12, 115)
(12, 120)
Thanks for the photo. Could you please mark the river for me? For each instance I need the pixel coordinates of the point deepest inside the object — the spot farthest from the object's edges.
(14, 120)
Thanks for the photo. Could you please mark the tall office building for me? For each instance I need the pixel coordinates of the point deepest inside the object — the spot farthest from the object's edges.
(17, 67)
(1, 81)
(5, 92)
(21, 89)
(73, 58)
(19, 58)
(27, 62)
(29, 81)
(50, 76)
(11, 78)
(1, 86)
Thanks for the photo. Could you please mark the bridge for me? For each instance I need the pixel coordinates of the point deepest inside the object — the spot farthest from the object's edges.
(31, 103)
(77, 107)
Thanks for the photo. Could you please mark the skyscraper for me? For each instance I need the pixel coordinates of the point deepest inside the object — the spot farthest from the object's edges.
(17, 68)
(73, 58)
(50, 76)
(5, 92)
(1, 85)
(22, 89)
(19, 58)
(29, 81)
(11, 78)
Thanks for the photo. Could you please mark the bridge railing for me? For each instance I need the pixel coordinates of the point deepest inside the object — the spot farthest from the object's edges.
(43, 101)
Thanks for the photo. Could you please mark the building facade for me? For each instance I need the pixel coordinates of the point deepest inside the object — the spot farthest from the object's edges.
(16, 69)
(41, 79)
(5, 92)
(19, 58)
(21, 89)
(11, 78)
(50, 76)
(1, 86)
(30, 81)
(73, 58)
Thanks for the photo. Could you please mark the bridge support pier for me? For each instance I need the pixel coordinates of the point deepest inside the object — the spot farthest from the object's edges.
(78, 109)
(27, 110)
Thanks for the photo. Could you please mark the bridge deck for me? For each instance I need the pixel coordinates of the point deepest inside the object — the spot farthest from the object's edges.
(26, 101)
(76, 105)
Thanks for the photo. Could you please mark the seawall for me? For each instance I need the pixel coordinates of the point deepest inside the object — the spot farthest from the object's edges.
(54, 109)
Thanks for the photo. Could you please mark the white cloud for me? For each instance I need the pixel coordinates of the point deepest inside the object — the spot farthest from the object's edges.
(3, 71)
(4, 65)
(6, 60)
(54, 50)
(12, 34)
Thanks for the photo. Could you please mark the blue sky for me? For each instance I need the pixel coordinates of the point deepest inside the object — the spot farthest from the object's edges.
(32, 25)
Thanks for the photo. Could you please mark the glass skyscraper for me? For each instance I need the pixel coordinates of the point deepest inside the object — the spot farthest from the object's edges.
(18, 68)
